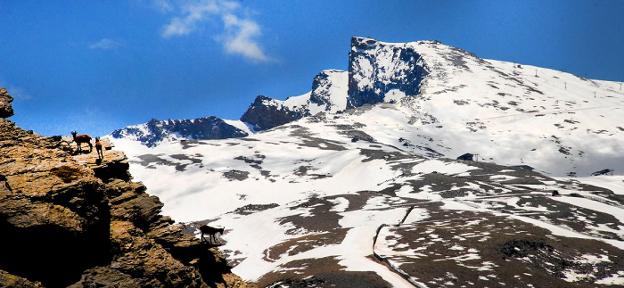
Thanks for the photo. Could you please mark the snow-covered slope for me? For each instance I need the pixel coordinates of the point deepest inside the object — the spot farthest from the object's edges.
(516, 114)
(370, 196)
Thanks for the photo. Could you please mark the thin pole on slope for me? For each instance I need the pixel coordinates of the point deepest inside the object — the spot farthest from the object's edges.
(594, 94)
(565, 85)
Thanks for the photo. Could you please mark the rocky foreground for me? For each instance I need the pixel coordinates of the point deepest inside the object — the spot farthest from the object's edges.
(67, 221)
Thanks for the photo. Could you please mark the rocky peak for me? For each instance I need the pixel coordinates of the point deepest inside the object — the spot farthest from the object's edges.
(6, 109)
(378, 68)
(69, 220)
(265, 113)
(154, 131)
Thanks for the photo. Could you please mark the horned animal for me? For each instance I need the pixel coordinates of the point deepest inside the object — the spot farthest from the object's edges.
(211, 231)
(98, 148)
(82, 138)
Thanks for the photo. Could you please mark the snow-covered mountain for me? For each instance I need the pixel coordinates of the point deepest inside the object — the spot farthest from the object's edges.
(328, 94)
(155, 131)
(353, 184)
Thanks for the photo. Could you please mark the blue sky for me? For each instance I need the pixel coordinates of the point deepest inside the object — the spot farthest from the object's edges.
(94, 66)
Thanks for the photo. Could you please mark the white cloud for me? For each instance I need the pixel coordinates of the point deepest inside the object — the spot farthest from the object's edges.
(162, 5)
(105, 44)
(239, 36)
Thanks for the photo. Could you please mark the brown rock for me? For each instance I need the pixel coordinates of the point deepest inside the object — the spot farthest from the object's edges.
(51, 209)
(106, 277)
(6, 109)
(149, 263)
(10, 280)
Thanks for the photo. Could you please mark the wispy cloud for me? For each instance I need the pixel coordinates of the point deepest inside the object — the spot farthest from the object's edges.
(105, 44)
(240, 38)
(240, 34)
(163, 5)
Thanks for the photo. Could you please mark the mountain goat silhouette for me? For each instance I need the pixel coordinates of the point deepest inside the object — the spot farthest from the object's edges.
(212, 232)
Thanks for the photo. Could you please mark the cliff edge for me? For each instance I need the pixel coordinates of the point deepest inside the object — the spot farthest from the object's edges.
(66, 220)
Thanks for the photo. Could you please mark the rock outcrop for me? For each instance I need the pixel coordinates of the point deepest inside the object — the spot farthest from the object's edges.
(70, 220)
(154, 131)
(265, 113)
(376, 68)
(6, 109)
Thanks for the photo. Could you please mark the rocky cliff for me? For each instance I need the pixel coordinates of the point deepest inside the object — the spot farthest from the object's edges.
(66, 220)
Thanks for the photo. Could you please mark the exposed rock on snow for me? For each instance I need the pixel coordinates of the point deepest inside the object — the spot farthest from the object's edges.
(265, 113)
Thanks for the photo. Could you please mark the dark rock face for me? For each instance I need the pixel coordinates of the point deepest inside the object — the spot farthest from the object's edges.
(205, 128)
(466, 157)
(376, 68)
(318, 94)
(71, 221)
(6, 109)
(265, 113)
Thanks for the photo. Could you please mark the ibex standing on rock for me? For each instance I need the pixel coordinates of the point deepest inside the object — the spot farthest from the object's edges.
(211, 231)
(98, 148)
(83, 138)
